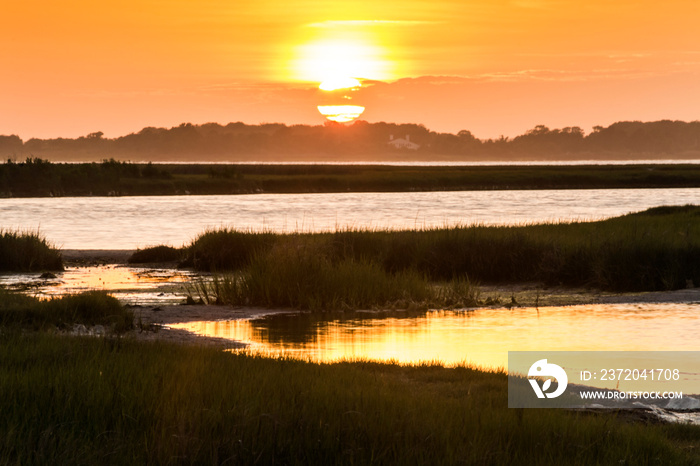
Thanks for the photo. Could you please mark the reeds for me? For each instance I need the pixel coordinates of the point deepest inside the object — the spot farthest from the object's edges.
(37, 177)
(155, 254)
(226, 249)
(116, 401)
(302, 273)
(27, 251)
(658, 249)
(88, 308)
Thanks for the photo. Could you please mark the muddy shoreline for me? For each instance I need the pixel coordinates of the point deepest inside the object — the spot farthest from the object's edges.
(158, 318)
(153, 320)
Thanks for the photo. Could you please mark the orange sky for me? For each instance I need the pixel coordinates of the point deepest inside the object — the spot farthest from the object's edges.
(493, 67)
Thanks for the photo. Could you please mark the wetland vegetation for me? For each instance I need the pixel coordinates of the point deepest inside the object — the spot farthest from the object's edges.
(115, 400)
(118, 401)
(658, 249)
(91, 308)
(39, 178)
(27, 251)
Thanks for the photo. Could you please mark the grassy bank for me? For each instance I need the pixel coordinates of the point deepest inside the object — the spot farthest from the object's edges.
(27, 252)
(88, 401)
(36, 178)
(658, 249)
(300, 280)
(18, 311)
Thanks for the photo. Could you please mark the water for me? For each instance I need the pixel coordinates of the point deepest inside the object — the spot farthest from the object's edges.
(480, 337)
(131, 222)
(131, 285)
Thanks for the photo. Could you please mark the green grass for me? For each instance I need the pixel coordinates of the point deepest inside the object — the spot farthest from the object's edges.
(36, 177)
(155, 254)
(115, 401)
(642, 252)
(27, 252)
(226, 249)
(89, 308)
(305, 274)
(318, 285)
(658, 249)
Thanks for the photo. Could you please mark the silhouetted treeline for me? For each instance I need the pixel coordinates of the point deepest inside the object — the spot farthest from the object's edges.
(362, 140)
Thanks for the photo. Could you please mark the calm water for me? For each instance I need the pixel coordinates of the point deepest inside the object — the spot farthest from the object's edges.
(131, 285)
(482, 337)
(131, 222)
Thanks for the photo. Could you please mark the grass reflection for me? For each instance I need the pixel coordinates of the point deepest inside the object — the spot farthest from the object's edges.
(482, 337)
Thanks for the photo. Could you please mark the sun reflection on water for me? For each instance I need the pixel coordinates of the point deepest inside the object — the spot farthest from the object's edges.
(482, 337)
(135, 285)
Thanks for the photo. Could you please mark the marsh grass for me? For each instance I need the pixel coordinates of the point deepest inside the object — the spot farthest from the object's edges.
(36, 177)
(658, 249)
(304, 274)
(155, 254)
(89, 308)
(116, 401)
(226, 249)
(27, 251)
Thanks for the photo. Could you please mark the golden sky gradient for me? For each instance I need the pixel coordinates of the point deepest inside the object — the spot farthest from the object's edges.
(493, 67)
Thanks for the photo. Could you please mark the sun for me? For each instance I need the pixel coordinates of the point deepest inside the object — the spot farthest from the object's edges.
(339, 99)
(339, 82)
(333, 60)
(340, 65)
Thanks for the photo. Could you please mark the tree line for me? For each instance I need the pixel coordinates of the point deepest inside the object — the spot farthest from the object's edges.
(239, 141)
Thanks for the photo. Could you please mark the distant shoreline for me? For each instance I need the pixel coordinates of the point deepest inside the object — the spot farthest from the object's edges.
(411, 162)
(40, 178)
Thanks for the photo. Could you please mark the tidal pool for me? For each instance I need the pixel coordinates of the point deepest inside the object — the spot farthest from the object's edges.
(132, 285)
(480, 337)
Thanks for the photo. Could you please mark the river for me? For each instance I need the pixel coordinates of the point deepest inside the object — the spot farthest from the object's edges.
(133, 222)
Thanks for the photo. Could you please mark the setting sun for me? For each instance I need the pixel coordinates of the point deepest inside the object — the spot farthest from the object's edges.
(341, 113)
(338, 99)
(340, 82)
(338, 60)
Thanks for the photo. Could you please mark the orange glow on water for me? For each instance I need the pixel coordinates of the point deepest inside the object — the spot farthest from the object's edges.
(482, 337)
(131, 284)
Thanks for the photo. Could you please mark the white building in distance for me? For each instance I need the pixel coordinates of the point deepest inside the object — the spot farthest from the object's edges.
(403, 143)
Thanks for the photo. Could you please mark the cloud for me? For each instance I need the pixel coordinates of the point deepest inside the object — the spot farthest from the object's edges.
(535, 4)
(372, 22)
(537, 75)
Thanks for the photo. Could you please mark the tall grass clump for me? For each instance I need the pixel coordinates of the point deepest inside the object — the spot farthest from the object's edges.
(310, 281)
(155, 254)
(304, 279)
(27, 252)
(88, 308)
(226, 249)
(305, 272)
